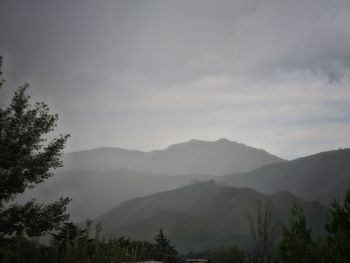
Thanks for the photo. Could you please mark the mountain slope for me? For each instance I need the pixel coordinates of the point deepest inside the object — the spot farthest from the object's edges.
(94, 192)
(202, 215)
(192, 157)
(322, 176)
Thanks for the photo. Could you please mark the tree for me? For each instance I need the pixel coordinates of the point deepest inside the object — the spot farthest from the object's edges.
(69, 233)
(263, 231)
(27, 158)
(296, 240)
(338, 230)
(163, 250)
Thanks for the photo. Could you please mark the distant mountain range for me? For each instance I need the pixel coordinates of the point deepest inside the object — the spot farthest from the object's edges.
(99, 179)
(202, 215)
(193, 157)
(169, 188)
(321, 177)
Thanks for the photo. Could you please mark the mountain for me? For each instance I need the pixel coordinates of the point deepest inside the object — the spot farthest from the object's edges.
(193, 157)
(320, 177)
(323, 176)
(94, 192)
(202, 215)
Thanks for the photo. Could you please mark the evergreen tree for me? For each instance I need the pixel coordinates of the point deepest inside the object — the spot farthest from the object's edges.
(163, 250)
(69, 233)
(338, 230)
(26, 159)
(296, 243)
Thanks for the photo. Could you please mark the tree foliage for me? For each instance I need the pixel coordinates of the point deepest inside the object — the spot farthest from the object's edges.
(164, 251)
(73, 243)
(338, 230)
(27, 158)
(296, 240)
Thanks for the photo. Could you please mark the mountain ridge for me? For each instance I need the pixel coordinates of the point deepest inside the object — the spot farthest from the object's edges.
(95, 192)
(220, 210)
(315, 177)
(221, 140)
(195, 156)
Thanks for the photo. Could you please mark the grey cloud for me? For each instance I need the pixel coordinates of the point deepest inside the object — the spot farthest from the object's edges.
(113, 68)
(177, 40)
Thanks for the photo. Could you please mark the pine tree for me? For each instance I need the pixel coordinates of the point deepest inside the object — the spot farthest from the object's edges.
(69, 233)
(296, 242)
(26, 159)
(338, 230)
(163, 250)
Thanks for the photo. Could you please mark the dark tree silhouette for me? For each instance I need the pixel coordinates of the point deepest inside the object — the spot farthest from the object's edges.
(338, 230)
(264, 232)
(296, 243)
(27, 158)
(69, 233)
(163, 250)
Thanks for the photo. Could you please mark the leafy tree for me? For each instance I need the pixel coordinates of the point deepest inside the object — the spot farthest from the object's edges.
(163, 250)
(19, 249)
(338, 230)
(27, 158)
(296, 243)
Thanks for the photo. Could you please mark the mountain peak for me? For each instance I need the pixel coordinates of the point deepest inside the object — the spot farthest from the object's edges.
(192, 157)
(221, 140)
(224, 140)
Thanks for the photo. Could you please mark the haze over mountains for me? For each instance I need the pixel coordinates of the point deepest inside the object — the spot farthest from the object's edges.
(99, 179)
(202, 215)
(193, 157)
(96, 190)
(323, 176)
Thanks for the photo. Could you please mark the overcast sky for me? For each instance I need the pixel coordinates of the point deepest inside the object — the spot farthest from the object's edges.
(146, 74)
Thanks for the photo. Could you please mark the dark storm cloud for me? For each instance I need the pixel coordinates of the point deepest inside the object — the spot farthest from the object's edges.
(115, 68)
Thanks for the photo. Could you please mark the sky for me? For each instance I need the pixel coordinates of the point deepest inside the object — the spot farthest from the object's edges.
(272, 74)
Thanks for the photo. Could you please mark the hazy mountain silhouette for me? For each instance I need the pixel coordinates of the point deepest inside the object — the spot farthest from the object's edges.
(323, 176)
(94, 192)
(202, 215)
(193, 157)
